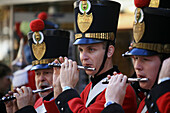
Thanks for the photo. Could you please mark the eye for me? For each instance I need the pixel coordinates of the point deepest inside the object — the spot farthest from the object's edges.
(91, 49)
(146, 59)
(37, 73)
(134, 57)
(47, 72)
(80, 49)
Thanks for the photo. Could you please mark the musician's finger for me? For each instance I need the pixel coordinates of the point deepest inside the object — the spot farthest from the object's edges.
(16, 95)
(56, 61)
(114, 73)
(24, 88)
(66, 62)
(120, 76)
(113, 79)
(29, 90)
(61, 59)
(19, 91)
(124, 79)
(70, 63)
(109, 77)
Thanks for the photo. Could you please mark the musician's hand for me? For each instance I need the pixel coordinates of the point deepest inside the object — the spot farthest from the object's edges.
(24, 97)
(11, 106)
(116, 89)
(69, 74)
(56, 79)
(109, 76)
(131, 46)
(165, 69)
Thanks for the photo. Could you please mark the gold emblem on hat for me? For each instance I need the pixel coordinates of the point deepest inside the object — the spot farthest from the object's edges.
(154, 3)
(84, 21)
(39, 48)
(139, 25)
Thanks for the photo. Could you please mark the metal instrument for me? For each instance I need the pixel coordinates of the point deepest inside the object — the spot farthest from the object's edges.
(79, 67)
(5, 99)
(129, 80)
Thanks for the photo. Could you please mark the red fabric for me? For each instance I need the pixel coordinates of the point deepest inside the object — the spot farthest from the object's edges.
(141, 3)
(37, 25)
(77, 105)
(38, 103)
(141, 106)
(42, 16)
(31, 80)
(141, 95)
(163, 103)
(17, 28)
(50, 106)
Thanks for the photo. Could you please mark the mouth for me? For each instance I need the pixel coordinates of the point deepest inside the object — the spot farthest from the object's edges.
(140, 76)
(43, 86)
(88, 65)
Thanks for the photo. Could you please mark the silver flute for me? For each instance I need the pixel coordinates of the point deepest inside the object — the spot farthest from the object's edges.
(5, 99)
(129, 80)
(79, 67)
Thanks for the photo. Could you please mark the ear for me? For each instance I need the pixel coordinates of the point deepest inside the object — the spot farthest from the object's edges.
(110, 52)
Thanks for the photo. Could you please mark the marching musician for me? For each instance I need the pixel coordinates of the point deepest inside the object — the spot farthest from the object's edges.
(96, 26)
(150, 53)
(46, 46)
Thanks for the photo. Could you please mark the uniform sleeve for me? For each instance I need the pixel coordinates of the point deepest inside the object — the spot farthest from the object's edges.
(50, 106)
(163, 103)
(26, 109)
(158, 99)
(69, 101)
(113, 108)
(130, 103)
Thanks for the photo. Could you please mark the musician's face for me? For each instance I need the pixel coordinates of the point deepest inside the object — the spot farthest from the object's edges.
(91, 55)
(146, 67)
(44, 79)
(5, 83)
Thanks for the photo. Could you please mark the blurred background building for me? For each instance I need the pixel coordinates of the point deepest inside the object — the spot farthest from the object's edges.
(14, 12)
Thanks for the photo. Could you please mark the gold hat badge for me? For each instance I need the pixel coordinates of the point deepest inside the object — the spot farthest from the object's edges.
(38, 47)
(139, 25)
(84, 20)
(154, 3)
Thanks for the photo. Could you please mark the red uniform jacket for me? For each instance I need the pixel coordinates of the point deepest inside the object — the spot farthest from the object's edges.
(70, 101)
(158, 99)
(46, 105)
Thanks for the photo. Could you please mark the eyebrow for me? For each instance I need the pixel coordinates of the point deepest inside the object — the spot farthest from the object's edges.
(88, 46)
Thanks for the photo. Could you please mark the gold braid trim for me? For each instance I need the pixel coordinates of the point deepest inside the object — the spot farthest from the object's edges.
(106, 36)
(160, 48)
(42, 61)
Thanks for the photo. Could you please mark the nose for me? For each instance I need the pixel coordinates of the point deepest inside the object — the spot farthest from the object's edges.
(41, 77)
(83, 56)
(138, 65)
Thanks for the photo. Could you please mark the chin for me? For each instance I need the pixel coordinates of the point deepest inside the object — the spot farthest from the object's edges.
(44, 93)
(90, 72)
(144, 85)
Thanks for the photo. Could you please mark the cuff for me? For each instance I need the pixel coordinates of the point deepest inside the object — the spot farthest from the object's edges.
(108, 103)
(26, 109)
(62, 100)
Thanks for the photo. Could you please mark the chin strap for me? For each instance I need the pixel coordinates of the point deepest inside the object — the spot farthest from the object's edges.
(162, 59)
(104, 60)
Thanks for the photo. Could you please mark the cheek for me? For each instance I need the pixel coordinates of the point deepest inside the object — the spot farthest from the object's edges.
(36, 81)
(50, 79)
(153, 73)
